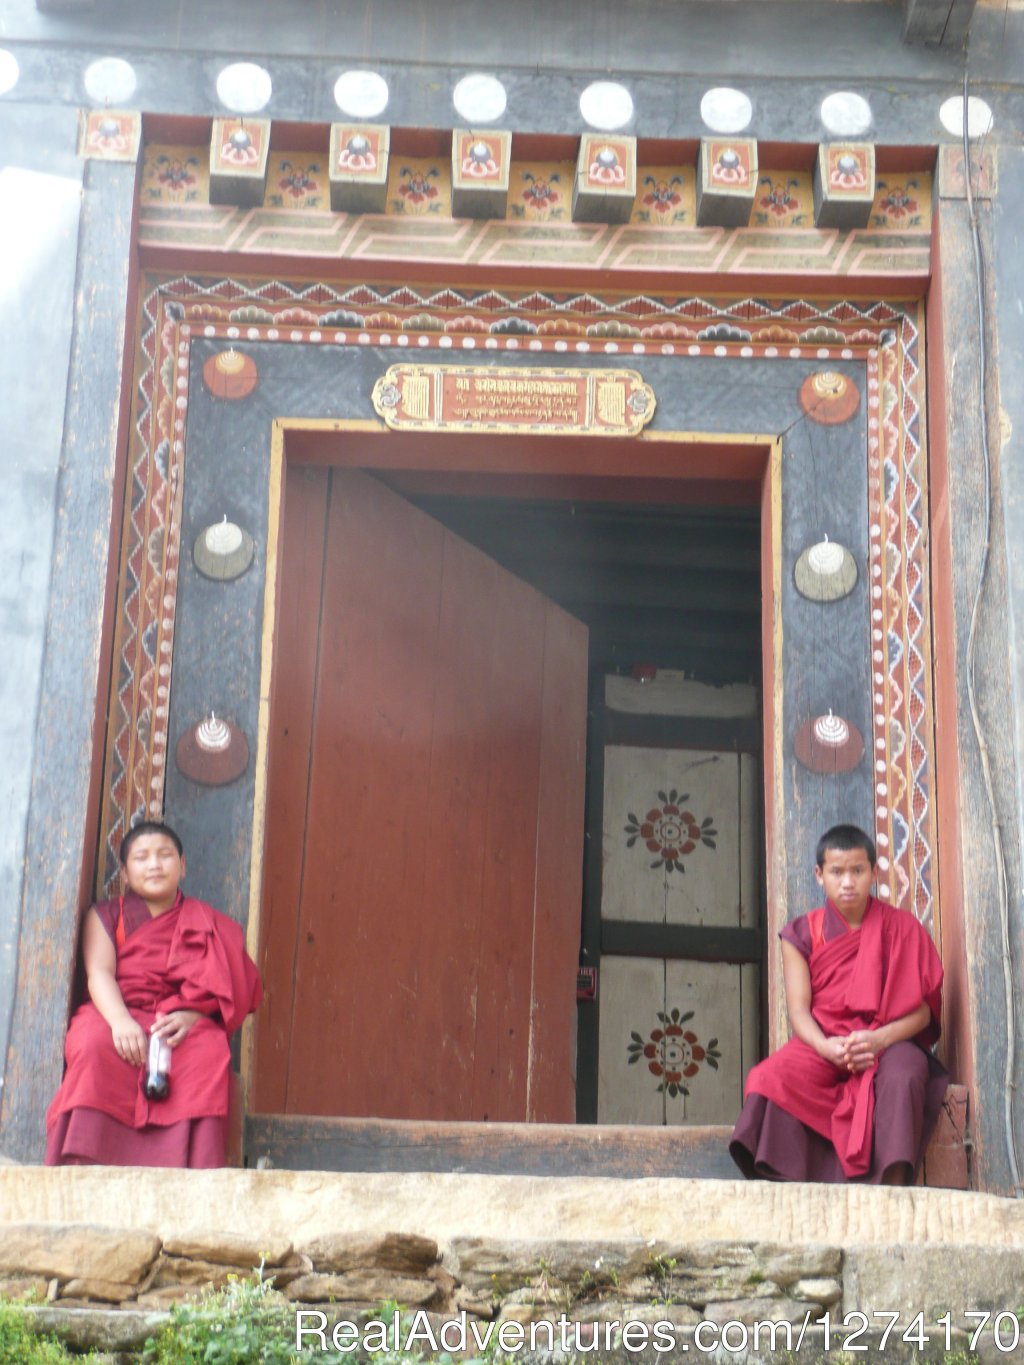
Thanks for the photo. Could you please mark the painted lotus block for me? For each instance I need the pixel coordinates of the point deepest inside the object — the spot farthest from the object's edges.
(110, 135)
(607, 163)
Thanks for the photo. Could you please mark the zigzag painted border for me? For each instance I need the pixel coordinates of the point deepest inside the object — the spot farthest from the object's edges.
(176, 310)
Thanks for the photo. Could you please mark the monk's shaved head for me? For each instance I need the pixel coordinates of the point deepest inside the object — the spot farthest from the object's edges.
(845, 839)
(148, 827)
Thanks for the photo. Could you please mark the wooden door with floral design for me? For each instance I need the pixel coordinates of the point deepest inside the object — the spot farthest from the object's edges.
(421, 902)
(680, 906)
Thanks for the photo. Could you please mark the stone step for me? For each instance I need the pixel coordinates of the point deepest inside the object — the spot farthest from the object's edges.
(279, 1204)
(303, 1143)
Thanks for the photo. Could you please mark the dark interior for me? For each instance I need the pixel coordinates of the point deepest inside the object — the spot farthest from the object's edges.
(676, 585)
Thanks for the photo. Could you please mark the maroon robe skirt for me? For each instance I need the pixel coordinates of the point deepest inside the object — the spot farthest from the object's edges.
(770, 1144)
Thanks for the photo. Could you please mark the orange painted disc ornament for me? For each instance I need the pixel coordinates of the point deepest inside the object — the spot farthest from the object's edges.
(829, 744)
(829, 397)
(213, 753)
(231, 375)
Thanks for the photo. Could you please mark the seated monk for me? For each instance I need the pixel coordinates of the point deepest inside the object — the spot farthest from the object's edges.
(855, 1093)
(158, 963)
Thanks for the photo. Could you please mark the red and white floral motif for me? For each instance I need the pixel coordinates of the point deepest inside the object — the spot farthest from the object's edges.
(673, 1053)
(479, 162)
(239, 155)
(663, 197)
(848, 173)
(606, 168)
(670, 831)
(729, 168)
(110, 135)
(357, 161)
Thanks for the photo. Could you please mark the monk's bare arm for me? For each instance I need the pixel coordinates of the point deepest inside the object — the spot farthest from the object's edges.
(797, 977)
(864, 1046)
(100, 959)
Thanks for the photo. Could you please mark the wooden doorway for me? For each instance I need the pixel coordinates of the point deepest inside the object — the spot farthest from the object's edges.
(652, 470)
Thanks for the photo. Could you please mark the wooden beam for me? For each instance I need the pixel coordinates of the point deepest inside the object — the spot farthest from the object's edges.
(937, 23)
(306, 1143)
(693, 943)
(724, 734)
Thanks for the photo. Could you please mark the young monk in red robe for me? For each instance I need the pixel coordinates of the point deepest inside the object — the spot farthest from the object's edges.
(855, 1092)
(158, 963)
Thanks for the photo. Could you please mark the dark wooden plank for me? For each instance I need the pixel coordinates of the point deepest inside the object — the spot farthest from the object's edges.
(706, 943)
(588, 1012)
(730, 734)
(539, 1149)
(642, 585)
(637, 626)
(925, 21)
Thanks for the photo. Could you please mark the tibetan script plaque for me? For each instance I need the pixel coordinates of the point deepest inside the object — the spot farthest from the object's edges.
(481, 398)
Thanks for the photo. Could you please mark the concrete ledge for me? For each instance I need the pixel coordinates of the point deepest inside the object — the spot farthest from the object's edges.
(297, 1206)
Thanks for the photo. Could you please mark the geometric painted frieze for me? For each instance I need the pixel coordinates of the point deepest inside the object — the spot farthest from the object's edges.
(223, 551)
(605, 185)
(480, 171)
(110, 135)
(844, 184)
(829, 398)
(829, 744)
(825, 572)
(360, 155)
(230, 375)
(238, 161)
(726, 181)
(212, 753)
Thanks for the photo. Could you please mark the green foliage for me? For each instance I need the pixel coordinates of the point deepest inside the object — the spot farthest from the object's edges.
(19, 1345)
(244, 1324)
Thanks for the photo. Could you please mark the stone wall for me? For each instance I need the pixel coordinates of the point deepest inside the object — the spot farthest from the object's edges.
(110, 1288)
(515, 1251)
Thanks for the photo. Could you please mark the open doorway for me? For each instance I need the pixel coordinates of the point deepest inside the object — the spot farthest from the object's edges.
(643, 569)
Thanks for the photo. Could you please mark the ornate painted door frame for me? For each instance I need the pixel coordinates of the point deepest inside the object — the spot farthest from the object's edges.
(202, 448)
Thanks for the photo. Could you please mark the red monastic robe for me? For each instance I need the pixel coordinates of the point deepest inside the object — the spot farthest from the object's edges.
(189, 957)
(862, 979)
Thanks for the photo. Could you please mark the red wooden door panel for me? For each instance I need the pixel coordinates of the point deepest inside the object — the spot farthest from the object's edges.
(422, 896)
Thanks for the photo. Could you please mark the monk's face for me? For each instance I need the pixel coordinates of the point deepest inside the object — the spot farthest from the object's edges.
(846, 876)
(153, 868)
